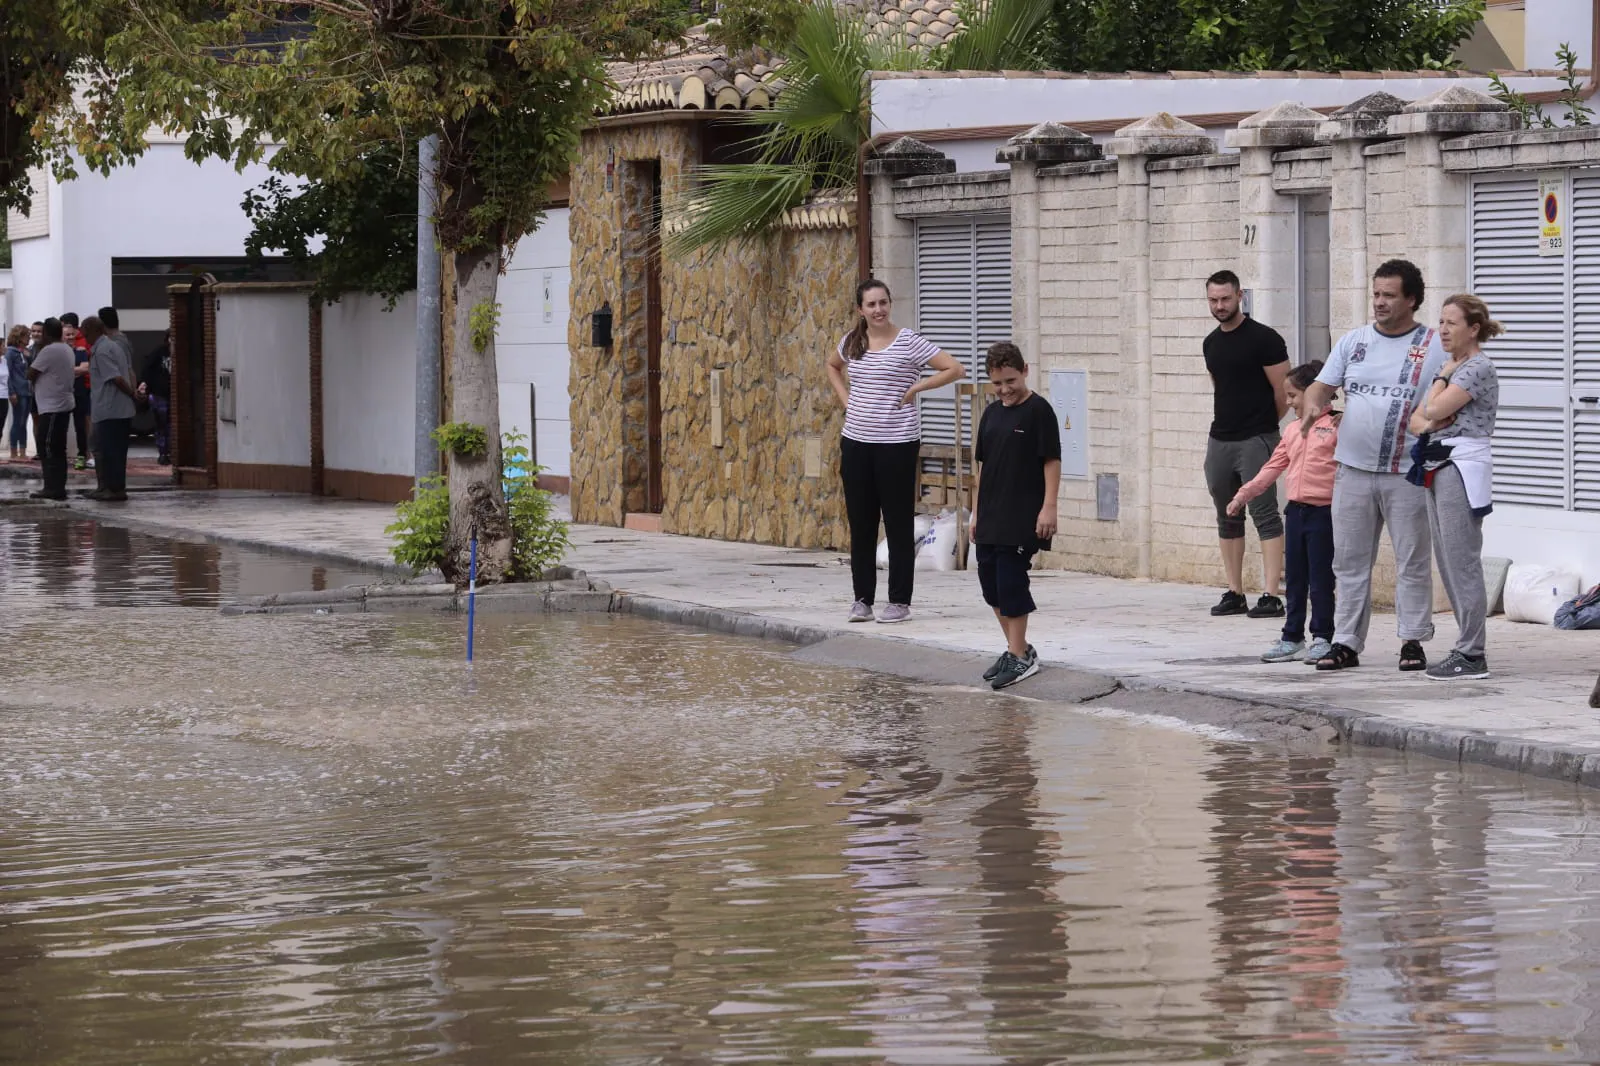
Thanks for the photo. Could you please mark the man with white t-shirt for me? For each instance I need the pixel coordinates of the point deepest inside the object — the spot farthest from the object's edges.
(1384, 369)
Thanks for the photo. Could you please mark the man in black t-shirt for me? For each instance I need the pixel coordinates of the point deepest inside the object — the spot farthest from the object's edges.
(1014, 507)
(1248, 363)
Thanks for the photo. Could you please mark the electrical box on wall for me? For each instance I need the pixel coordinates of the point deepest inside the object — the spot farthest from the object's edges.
(1069, 395)
(227, 397)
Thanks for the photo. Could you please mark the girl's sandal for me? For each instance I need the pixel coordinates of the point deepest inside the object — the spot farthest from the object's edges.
(1412, 657)
(1339, 657)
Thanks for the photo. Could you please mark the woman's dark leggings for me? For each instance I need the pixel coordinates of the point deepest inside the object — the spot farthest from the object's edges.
(880, 479)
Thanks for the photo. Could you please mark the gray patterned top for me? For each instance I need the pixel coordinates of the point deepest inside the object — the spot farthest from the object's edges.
(1477, 378)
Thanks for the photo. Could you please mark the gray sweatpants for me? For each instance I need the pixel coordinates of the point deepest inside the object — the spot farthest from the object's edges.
(1458, 547)
(1363, 504)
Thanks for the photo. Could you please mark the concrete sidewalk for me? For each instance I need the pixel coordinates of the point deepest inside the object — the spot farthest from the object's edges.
(1532, 715)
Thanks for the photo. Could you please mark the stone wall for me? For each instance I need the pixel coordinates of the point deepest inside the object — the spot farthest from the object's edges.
(758, 319)
(1387, 204)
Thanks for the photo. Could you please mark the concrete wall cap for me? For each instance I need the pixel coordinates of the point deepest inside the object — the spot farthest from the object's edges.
(1049, 142)
(1160, 124)
(1050, 133)
(1455, 99)
(908, 156)
(1289, 113)
(1161, 134)
(1384, 104)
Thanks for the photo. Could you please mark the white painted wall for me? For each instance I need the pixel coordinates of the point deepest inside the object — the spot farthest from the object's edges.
(264, 338)
(1550, 23)
(531, 345)
(939, 103)
(162, 206)
(1569, 540)
(369, 385)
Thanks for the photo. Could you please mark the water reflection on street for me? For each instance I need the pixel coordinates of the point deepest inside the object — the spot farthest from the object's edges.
(325, 840)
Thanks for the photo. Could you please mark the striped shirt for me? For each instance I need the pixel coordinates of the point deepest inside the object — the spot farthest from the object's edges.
(879, 380)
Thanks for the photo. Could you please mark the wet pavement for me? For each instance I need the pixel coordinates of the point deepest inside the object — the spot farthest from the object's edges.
(325, 839)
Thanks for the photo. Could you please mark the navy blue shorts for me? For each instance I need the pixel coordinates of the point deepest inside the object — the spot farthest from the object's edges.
(1003, 576)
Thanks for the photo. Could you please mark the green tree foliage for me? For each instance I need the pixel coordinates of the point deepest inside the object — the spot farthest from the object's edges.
(809, 139)
(1116, 35)
(367, 226)
(506, 84)
(38, 53)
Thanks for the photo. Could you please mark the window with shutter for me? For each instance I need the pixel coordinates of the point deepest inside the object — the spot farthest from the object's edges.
(963, 278)
(1530, 293)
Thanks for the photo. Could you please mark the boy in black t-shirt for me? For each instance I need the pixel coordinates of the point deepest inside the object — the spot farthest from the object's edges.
(1014, 508)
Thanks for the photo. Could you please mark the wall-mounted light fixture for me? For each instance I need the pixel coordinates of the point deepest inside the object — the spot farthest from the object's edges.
(600, 326)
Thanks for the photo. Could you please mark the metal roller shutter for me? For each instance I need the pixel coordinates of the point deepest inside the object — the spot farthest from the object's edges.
(963, 301)
(1530, 293)
(1585, 368)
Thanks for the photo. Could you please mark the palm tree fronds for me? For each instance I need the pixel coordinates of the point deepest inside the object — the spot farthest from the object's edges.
(735, 203)
(998, 35)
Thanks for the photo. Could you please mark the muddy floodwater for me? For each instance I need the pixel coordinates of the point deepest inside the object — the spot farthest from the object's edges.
(326, 839)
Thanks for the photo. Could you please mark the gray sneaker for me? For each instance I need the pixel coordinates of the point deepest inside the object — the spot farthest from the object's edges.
(1318, 650)
(999, 664)
(861, 611)
(1458, 667)
(1013, 670)
(1284, 651)
(895, 612)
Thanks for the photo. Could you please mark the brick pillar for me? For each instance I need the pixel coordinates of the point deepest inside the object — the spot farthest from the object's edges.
(209, 375)
(1135, 145)
(1351, 129)
(1269, 220)
(1438, 198)
(314, 342)
(894, 246)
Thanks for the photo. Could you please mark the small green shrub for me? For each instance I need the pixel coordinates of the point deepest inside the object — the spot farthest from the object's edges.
(462, 438)
(421, 525)
(538, 538)
(482, 321)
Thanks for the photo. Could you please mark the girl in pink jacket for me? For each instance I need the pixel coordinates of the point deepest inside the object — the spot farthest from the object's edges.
(1307, 459)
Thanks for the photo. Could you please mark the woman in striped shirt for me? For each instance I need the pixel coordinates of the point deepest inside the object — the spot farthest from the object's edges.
(877, 373)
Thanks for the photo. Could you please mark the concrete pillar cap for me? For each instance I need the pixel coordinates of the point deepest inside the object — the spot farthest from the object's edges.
(1366, 119)
(1454, 110)
(908, 157)
(1049, 142)
(1162, 134)
(1285, 125)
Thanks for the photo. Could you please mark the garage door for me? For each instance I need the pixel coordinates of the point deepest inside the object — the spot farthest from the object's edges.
(963, 301)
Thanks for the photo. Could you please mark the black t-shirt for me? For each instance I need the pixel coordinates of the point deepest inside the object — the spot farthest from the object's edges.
(1014, 443)
(1245, 405)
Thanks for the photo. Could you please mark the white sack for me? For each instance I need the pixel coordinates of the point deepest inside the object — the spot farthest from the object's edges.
(919, 529)
(1534, 592)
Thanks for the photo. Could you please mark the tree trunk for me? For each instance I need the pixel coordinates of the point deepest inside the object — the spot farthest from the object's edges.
(477, 496)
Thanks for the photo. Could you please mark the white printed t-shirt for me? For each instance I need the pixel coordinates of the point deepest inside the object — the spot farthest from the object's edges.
(1383, 378)
(879, 380)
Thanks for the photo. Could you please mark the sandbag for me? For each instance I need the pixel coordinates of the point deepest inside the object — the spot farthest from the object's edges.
(1534, 593)
(920, 525)
(936, 550)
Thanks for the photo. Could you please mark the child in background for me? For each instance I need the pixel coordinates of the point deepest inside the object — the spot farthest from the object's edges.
(1308, 521)
(1018, 457)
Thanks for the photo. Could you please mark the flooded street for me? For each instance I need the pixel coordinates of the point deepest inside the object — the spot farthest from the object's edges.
(325, 839)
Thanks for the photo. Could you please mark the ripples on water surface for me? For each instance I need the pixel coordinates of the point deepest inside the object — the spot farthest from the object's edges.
(324, 839)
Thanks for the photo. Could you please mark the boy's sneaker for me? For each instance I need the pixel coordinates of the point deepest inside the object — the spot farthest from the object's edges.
(1231, 603)
(895, 612)
(1013, 669)
(1317, 650)
(861, 611)
(1284, 651)
(1458, 667)
(1268, 606)
(999, 664)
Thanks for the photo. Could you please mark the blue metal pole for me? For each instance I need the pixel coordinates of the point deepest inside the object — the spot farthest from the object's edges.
(472, 594)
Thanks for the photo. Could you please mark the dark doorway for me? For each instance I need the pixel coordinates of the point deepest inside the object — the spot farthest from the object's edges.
(652, 311)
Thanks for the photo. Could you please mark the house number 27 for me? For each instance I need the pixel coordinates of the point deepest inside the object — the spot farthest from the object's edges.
(1249, 234)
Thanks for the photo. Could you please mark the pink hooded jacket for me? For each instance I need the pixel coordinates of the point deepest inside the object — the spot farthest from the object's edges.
(1308, 460)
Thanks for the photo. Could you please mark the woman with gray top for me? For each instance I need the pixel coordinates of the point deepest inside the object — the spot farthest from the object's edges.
(1452, 460)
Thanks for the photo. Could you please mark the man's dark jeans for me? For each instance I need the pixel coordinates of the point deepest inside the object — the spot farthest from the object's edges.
(111, 446)
(53, 451)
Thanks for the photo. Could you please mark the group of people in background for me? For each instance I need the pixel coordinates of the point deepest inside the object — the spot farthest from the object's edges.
(1409, 453)
(65, 376)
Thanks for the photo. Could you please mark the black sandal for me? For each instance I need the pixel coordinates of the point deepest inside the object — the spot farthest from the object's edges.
(1339, 657)
(1412, 657)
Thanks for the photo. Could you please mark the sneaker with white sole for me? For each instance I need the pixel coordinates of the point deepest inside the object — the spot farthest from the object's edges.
(1013, 669)
(999, 664)
(861, 611)
(1317, 649)
(1284, 651)
(895, 612)
(1458, 667)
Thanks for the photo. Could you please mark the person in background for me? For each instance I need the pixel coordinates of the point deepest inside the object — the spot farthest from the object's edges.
(1018, 457)
(52, 378)
(155, 388)
(1453, 462)
(1308, 461)
(111, 386)
(1248, 363)
(112, 321)
(73, 336)
(18, 393)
